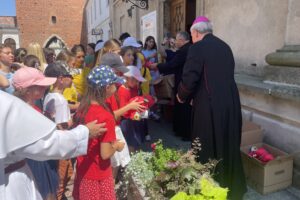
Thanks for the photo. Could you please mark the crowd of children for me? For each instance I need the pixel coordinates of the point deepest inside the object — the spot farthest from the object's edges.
(108, 82)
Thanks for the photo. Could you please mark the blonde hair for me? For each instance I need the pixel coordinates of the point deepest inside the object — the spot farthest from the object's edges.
(108, 46)
(35, 49)
(65, 55)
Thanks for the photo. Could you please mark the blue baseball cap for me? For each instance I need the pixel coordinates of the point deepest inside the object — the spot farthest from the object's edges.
(103, 75)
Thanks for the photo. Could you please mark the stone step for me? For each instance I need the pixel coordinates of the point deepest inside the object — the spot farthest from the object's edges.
(289, 75)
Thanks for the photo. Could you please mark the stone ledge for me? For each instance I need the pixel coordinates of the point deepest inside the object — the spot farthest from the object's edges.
(289, 55)
(283, 58)
(277, 90)
(284, 75)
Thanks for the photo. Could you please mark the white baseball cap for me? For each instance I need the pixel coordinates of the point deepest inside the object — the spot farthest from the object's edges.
(131, 42)
(99, 46)
(134, 72)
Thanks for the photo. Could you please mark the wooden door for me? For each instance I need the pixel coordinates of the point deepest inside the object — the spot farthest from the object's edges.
(178, 8)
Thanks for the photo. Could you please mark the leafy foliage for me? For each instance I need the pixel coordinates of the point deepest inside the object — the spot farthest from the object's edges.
(162, 157)
(140, 169)
(209, 190)
(167, 173)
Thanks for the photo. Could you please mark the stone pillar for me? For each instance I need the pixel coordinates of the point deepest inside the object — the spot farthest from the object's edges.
(293, 23)
(284, 64)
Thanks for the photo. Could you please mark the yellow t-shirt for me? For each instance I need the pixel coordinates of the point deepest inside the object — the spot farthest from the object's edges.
(70, 94)
(79, 80)
(145, 86)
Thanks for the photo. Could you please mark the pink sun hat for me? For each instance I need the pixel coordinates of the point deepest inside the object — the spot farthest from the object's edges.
(28, 76)
(200, 19)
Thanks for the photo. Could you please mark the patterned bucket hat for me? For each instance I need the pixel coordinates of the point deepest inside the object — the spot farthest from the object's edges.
(103, 75)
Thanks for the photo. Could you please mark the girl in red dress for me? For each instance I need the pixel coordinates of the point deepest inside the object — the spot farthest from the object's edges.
(94, 179)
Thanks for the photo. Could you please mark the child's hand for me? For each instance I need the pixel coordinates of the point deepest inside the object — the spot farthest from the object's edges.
(118, 145)
(136, 105)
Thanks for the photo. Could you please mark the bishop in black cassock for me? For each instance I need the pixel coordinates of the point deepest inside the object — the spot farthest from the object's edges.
(208, 78)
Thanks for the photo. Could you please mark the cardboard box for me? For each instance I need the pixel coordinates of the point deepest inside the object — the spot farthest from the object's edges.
(251, 133)
(270, 177)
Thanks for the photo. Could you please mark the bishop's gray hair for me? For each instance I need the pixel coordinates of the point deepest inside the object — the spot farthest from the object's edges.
(202, 27)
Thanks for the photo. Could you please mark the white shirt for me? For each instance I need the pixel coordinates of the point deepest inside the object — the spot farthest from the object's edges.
(25, 133)
(58, 145)
(56, 108)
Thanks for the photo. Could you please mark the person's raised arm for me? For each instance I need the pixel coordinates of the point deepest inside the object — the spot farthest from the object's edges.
(170, 67)
(134, 105)
(164, 46)
(63, 144)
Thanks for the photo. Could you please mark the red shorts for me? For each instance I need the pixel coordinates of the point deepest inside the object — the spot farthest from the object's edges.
(86, 189)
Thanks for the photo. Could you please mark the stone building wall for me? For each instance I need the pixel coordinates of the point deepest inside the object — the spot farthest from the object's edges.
(97, 19)
(34, 18)
(122, 22)
(252, 28)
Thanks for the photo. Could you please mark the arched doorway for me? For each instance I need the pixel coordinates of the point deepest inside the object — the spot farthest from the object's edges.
(55, 43)
(10, 42)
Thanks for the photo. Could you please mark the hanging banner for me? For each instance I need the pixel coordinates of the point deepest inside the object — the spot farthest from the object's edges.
(148, 26)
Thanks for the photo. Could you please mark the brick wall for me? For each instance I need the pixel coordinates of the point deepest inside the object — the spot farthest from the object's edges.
(7, 21)
(34, 19)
